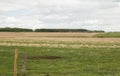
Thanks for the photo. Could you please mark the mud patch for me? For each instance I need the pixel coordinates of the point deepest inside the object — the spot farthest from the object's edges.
(44, 57)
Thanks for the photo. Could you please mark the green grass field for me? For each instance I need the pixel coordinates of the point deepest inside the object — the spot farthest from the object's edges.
(73, 57)
(109, 35)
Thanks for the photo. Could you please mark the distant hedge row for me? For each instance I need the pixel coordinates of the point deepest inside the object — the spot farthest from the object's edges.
(7, 29)
(15, 30)
(61, 30)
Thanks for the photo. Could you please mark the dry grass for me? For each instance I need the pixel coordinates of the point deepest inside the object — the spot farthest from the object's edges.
(73, 40)
(45, 34)
(62, 45)
(33, 39)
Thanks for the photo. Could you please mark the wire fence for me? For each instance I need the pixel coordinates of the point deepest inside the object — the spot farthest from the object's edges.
(16, 63)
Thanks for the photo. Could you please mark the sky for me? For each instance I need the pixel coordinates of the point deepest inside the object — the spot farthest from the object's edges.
(73, 14)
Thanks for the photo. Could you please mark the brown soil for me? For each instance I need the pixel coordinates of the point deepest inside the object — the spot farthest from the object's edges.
(44, 57)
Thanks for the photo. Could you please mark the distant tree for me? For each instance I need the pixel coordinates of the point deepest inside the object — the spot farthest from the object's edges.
(61, 30)
(7, 29)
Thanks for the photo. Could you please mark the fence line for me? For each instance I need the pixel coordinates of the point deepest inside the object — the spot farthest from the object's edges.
(15, 62)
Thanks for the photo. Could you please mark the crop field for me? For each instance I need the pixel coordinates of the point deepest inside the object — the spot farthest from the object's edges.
(60, 54)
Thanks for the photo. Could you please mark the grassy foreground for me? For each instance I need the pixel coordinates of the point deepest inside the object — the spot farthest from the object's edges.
(74, 56)
(75, 62)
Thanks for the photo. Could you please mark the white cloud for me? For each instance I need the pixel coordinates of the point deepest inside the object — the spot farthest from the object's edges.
(88, 14)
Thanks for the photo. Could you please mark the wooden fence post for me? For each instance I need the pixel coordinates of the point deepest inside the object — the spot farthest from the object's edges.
(24, 65)
(15, 62)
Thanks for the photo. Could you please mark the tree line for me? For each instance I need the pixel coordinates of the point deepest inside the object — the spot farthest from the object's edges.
(7, 29)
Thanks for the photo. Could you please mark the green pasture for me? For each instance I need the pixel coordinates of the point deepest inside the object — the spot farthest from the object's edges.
(84, 61)
(109, 35)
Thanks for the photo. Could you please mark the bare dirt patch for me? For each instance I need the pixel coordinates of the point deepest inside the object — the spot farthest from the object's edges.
(44, 57)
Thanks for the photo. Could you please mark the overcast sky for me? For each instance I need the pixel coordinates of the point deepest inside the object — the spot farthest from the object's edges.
(87, 14)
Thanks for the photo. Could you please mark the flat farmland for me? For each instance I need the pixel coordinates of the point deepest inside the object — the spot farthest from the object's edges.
(45, 34)
(60, 54)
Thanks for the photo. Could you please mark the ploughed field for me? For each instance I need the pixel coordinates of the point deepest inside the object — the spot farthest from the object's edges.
(60, 54)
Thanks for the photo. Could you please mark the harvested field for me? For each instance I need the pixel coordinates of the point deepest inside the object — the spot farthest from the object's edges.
(46, 34)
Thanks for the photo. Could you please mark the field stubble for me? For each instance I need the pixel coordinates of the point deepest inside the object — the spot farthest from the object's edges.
(73, 40)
